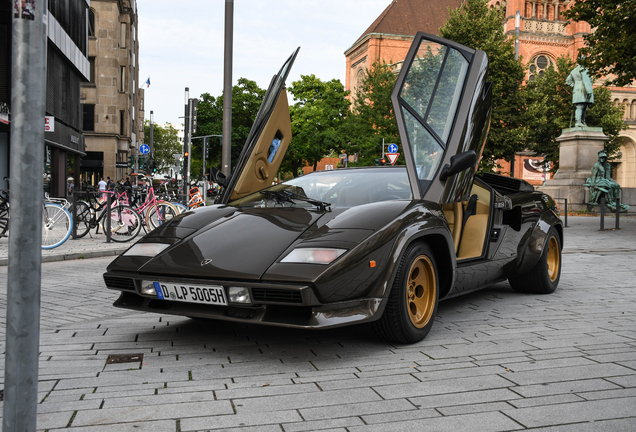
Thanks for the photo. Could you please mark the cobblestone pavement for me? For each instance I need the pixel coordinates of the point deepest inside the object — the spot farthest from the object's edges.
(494, 361)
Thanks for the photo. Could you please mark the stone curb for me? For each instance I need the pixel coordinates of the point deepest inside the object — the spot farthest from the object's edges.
(74, 256)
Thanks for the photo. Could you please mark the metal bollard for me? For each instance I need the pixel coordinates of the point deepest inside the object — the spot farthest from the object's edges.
(74, 216)
(566, 212)
(602, 204)
(618, 213)
(107, 224)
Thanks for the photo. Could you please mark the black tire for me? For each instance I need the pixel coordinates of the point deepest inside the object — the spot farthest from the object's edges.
(412, 305)
(4, 218)
(544, 277)
(82, 218)
(125, 223)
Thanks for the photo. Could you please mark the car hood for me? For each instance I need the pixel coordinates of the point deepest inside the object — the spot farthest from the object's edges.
(241, 245)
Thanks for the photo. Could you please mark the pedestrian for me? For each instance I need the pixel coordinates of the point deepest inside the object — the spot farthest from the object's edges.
(102, 187)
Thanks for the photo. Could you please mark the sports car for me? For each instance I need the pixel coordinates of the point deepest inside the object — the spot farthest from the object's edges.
(376, 244)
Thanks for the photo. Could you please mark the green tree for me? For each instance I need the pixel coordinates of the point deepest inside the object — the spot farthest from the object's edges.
(317, 120)
(372, 118)
(247, 97)
(611, 48)
(550, 111)
(165, 144)
(477, 26)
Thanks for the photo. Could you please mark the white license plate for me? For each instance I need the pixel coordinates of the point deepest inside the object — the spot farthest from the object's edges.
(191, 293)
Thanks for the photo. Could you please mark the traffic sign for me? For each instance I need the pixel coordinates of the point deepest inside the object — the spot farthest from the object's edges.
(392, 157)
(144, 149)
(393, 148)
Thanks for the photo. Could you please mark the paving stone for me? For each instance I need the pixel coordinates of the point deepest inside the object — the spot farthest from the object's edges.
(154, 412)
(621, 425)
(568, 374)
(451, 385)
(357, 409)
(609, 394)
(322, 425)
(259, 419)
(143, 426)
(470, 397)
(366, 382)
(299, 401)
(483, 422)
(248, 392)
(546, 400)
(574, 412)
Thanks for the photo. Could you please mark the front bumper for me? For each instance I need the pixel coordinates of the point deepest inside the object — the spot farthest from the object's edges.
(283, 305)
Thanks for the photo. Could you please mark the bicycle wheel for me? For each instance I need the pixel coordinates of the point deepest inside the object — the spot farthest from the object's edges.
(83, 218)
(57, 225)
(125, 223)
(160, 213)
(4, 217)
(180, 207)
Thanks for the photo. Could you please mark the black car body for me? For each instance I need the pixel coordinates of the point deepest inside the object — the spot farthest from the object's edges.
(377, 244)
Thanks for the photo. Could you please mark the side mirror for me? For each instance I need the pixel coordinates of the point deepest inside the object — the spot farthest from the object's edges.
(459, 163)
(218, 176)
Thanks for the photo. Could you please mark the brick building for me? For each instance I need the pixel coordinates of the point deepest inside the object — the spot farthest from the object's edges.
(543, 37)
(112, 101)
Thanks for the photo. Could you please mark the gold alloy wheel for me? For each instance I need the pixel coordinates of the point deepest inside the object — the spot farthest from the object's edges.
(554, 261)
(421, 291)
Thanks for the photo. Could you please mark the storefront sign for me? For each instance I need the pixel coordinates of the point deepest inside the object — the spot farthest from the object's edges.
(49, 124)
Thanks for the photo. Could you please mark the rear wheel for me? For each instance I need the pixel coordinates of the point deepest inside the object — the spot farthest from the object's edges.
(410, 312)
(4, 217)
(159, 214)
(544, 276)
(125, 223)
(83, 217)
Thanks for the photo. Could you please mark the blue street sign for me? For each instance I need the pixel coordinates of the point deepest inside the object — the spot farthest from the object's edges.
(393, 148)
(143, 149)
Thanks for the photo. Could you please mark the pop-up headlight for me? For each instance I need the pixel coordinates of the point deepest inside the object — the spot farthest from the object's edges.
(146, 249)
(313, 255)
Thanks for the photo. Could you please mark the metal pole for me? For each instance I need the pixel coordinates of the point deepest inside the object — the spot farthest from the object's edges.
(618, 213)
(226, 150)
(602, 204)
(186, 137)
(28, 91)
(152, 127)
(205, 183)
(566, 212)
(107, 221)
(517, 22)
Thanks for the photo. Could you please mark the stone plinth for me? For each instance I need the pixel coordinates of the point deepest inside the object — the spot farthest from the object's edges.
(578, 152)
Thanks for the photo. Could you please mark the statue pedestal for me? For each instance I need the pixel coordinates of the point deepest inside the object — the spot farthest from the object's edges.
(578, 152)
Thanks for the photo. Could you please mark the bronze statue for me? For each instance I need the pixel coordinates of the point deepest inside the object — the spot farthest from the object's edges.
(602, 182)
(582, 93)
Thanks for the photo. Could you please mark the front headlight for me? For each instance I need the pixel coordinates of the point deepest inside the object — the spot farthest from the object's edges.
(146, 249)
(313, 255)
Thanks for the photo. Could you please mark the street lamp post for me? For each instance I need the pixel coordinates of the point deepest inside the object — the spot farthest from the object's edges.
(152, 149)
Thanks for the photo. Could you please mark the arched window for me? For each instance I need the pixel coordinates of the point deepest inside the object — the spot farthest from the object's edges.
(91, 22)
(538, 65)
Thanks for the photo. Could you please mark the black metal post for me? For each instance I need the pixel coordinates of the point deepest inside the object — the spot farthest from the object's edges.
(107, 221)
(74, 234)
(28, 95)
(602, 204)
(566, 212)
(618, 213)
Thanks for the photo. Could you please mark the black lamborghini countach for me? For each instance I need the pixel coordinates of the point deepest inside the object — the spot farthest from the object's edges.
(377, 244)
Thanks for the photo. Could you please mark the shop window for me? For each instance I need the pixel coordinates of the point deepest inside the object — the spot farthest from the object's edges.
(88, 113)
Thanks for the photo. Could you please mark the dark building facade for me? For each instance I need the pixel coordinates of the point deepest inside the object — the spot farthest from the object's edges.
(67, 67)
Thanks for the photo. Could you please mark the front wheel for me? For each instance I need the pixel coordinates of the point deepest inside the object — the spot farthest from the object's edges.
(125, 223)
(544, 277)
(410, 311)
(57, 225)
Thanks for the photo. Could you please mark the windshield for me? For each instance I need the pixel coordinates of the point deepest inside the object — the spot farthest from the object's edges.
(340, 188)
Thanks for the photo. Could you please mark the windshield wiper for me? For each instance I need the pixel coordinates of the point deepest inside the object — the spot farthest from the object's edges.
(283, 196)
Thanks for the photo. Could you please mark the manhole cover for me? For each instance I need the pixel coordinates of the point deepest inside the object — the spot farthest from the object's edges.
(125, 358)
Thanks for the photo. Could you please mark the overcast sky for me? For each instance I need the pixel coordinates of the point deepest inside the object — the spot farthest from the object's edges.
(181, 44)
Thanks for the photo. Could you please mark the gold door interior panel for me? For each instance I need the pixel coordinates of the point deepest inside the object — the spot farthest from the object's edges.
(259, 173)
(474, 233)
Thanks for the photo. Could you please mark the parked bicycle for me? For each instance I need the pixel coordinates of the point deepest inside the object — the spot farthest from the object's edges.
(154, 210)
(125, 223)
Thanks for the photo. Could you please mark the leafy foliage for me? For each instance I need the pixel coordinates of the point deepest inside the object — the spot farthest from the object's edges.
(247, 97)
(477, 26)
(165, 144)
(550, 110)
(318, 121)
(611, 48)
(372, 118)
